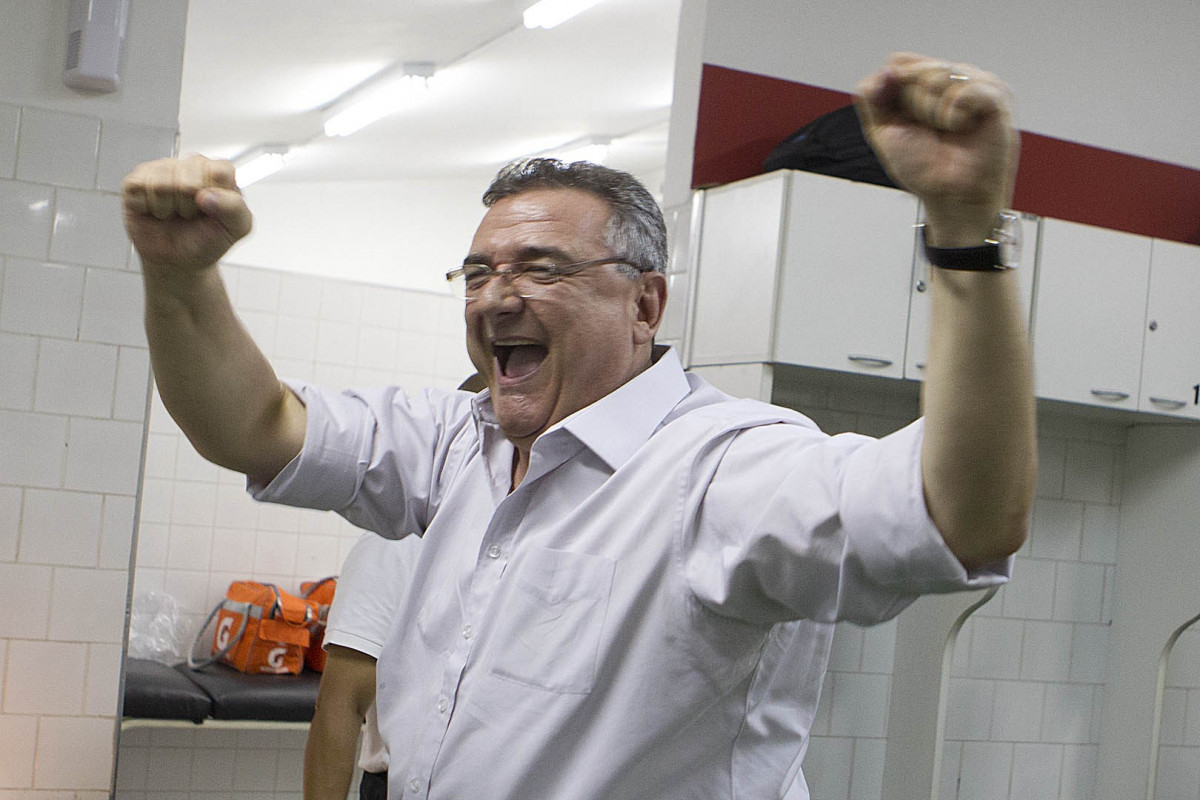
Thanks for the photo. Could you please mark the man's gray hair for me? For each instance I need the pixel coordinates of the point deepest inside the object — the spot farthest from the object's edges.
(636, 229)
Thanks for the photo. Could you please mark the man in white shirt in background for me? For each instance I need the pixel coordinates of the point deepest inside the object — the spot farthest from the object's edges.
(372, 582)
(628, 580)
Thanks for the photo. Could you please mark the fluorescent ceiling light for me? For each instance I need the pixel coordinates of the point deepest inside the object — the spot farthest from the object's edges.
(376, 104)
(548, 13)
(260, 163)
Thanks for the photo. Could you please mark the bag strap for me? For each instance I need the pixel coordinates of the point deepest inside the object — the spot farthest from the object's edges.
(317, 585)
(244, 609)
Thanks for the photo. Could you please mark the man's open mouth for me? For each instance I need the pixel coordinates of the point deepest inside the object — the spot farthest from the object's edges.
(518, 360)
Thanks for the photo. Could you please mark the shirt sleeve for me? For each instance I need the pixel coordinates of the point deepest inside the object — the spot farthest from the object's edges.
(370, 588)
(798, 524)
(376, 457)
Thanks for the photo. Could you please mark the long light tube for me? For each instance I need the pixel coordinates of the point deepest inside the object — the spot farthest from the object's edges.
(376, 104)
(548, 13)
(265, 162)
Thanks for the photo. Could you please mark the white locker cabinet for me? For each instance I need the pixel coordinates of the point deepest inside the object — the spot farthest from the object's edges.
(845, 274)
(736, 271)
(920, 305)
(1089, 314)
(1171, 354)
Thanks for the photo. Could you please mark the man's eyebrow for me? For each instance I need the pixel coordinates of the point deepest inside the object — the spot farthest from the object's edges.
(526, 253)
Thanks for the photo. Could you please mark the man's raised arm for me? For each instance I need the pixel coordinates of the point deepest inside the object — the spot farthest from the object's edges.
(945, 133)
(182, 216)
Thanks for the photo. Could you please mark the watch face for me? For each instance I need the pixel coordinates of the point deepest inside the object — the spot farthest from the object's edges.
(1007, 235)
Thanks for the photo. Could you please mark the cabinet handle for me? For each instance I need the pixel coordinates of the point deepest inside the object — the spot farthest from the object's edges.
(1110, 395)
(870, 361)
(1168, 403)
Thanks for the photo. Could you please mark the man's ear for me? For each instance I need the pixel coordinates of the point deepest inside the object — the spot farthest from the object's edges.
(651, 302)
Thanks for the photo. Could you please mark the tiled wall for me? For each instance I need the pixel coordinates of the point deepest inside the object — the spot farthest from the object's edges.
(1178, 774)
(74, 375)
(199, 530)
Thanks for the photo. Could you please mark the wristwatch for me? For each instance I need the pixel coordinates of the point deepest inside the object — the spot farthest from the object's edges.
(1000, 251)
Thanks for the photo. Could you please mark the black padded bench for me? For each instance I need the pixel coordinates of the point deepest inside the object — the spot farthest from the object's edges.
(217, 695)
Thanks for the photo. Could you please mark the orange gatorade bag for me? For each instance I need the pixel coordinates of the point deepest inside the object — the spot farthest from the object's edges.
(319, 595)
(261, 629)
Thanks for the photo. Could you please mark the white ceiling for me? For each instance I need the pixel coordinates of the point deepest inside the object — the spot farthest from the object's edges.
(266, 71)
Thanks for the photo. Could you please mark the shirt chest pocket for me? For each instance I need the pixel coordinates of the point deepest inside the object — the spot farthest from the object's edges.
(551, 622)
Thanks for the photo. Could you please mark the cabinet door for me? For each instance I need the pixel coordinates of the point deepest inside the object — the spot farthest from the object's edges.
(1171, 356)
(736, 271)
(847, 263)
(920, 306)
(1089, 314)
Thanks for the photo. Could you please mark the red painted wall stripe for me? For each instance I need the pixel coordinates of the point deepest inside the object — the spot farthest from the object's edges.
(743, 115)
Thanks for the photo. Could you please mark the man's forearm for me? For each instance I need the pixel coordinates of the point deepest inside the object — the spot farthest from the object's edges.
(214, 380)
(330, 754)
(979, 458)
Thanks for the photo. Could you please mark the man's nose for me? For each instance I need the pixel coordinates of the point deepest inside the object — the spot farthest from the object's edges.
(503, 289)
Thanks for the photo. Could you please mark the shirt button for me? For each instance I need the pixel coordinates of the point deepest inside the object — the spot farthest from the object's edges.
(443, 704)
(493, 551)
(467, 631)
(414, 785)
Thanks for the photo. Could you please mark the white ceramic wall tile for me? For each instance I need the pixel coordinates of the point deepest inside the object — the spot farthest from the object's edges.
(1178, 774)
(1057, 529)
(75, 753)
(289, 771)
(170, 769)
(25, 597)
(104, 456)
(845, 655)
(18, 744)
(254, 771)
(88, 605)
(317, 556)
(1174, 716)
(190, 589)
(189, 547)
(1078, 772)
(827, 767)
(968, 714)
(420, 312)
(860, 705)
(193, 503)
(417, 352)
(103, 678)
(258, 290)
(1046, 651)
(41, 299)
(984, 771)
(113, 308)
(58, 148)
(76, 378)
(381, 307)
(281, 518)
(1101, 525)
(333, 376)
(124, 145)
(1089, 472)
(26, 218)
(866, 778)
(261, 327)
(1183, 664)
(10, 522)
(1191, 730)
(132, 764)
(1068, 714)
(1017, 711)
(153, 541)
(295, 339)
(18, 365)
(1079, 592)
(342, 301)
(1052, 457)
(1030, 593)
(161, 454)
(1036, 771)
(10, 121)
(377, 348)
(275, 552)
(235, 508)
(300, 295)
(337, 342)
(879, 648)
(995, 648)
(951, 755)
(60, 528)
(88, 230)
(32, 448)
(191, 466)
(1089, 653)
(45, 678)
(232, 549)
(213, 769)
(157, 497)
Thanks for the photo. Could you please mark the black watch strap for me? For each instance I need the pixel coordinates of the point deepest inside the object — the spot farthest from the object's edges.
(985, 258)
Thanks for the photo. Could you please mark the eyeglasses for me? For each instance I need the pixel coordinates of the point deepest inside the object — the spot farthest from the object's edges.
(527, 278)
